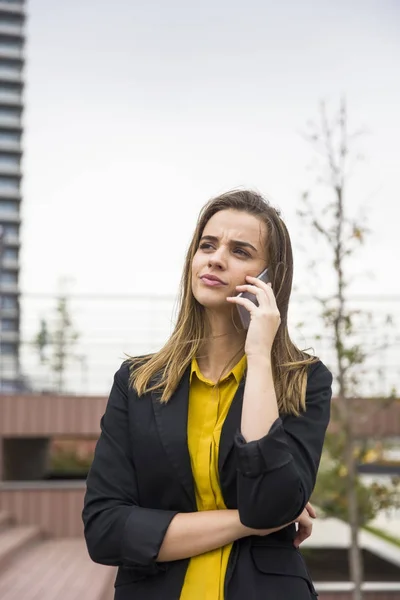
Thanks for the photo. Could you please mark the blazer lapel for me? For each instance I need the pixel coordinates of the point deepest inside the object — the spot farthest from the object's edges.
(171, 419)
(231, 425)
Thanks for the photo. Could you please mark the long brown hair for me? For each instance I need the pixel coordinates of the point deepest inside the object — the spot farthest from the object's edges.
(163, 370)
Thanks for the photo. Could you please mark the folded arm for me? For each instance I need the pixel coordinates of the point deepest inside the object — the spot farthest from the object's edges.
(277, 473)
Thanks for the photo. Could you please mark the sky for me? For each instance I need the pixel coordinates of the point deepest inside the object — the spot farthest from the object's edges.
(138, 112)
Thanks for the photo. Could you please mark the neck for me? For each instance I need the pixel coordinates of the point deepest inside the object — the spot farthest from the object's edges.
(222, 348)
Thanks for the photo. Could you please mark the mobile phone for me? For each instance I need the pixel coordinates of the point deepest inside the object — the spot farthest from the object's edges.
(243, 312)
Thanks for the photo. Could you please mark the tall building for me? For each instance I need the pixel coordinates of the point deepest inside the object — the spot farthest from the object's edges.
(12, 17)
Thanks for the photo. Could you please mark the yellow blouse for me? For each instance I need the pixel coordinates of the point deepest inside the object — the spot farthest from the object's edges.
(208, 407)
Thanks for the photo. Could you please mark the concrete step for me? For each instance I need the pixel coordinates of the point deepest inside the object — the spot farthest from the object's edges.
(14, 540)
(58, 569)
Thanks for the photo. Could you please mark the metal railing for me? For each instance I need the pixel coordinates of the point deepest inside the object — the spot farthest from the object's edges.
(111, 327)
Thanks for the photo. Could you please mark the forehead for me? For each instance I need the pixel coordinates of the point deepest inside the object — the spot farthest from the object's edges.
(237, 225)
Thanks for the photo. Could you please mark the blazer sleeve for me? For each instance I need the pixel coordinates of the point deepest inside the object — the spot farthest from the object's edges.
(118, 531)
(277, 474)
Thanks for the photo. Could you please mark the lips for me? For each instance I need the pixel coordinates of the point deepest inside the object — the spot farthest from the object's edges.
(212, 279)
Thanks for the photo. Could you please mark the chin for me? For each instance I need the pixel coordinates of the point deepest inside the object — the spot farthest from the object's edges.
(211, 301)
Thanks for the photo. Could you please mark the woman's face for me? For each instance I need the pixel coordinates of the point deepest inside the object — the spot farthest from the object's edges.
(232, 246)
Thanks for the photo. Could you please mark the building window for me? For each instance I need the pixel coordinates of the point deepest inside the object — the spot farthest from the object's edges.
(6, 277)
(10, 230)
(8, 325)
(8, 183)
(8, 206)
(8, 303)
(7, 69)
(10, 115)
(8, 348)
(11, 19)
(9, 136)
(10, 254)
(10, 44)
(10, 63)
(8, 160)
(8, 387)
(11, 95)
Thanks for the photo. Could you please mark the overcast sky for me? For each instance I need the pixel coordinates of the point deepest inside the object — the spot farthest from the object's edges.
(139, 112)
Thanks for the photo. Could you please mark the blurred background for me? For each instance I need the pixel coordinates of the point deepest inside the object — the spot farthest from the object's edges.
(118, 121)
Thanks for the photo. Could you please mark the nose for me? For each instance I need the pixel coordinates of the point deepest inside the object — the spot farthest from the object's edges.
(217, 259)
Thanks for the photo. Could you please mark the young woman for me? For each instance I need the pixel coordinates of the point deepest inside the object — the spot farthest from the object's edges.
(209, 448)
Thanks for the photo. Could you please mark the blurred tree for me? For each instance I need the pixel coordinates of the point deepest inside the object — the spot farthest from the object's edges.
(42, 340)
(339, 490)
(330, 493)
(55, 345)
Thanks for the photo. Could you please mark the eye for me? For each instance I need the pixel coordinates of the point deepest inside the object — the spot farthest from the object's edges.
(206, 246)
(242, 252)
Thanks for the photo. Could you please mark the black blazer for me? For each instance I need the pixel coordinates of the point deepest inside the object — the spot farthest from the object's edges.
(141, 477)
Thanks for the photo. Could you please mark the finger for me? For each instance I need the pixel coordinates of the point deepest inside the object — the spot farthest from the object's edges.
(258, 282)
(248, 304)
(311, 510)
(302, 534)
(304, 519)
(259, 293)
(271, 295)
(267, 287)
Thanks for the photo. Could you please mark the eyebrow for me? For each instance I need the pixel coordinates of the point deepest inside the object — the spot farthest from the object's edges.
(213, 238)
